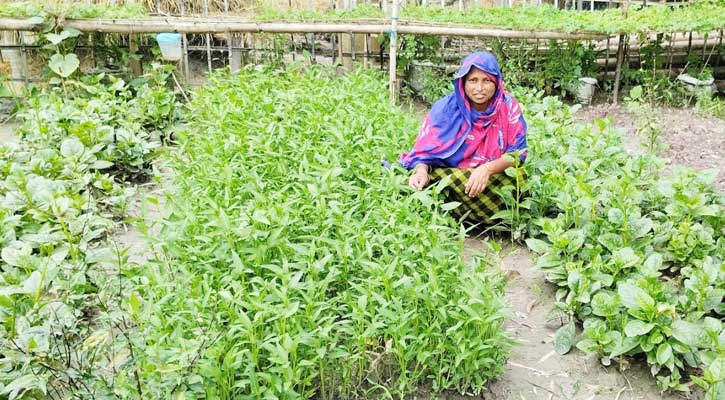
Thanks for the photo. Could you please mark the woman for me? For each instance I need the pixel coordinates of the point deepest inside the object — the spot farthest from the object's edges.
(467, 135)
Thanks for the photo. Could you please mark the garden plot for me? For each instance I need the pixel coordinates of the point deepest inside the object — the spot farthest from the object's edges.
(309, 268)
(690, 139)
(289, 261)
(64, 188)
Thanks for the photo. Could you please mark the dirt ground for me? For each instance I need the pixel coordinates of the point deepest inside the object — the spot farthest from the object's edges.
(690, 139)
(7, 133)
(534, 370)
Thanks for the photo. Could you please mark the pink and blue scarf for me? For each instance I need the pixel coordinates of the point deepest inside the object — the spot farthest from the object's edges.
(455, 135)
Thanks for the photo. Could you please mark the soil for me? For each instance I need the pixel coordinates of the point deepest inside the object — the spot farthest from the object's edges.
(7, 132)
(535, 370)
(691, 140)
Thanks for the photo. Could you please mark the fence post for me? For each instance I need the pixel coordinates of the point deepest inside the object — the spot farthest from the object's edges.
(618, 71)
(394, 51)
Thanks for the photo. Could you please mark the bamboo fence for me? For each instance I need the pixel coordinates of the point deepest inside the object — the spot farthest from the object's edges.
(237, 35)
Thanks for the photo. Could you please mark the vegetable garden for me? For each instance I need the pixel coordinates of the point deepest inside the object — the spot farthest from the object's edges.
(287, 257)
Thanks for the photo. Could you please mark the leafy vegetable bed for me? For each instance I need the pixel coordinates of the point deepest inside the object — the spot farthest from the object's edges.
(295, 265)
(638, 256)
(61, 292)
(702, 16)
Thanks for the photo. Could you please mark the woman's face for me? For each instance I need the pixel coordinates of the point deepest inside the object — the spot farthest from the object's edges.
(479, 88)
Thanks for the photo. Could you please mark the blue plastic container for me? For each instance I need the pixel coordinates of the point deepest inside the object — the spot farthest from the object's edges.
(170, 44)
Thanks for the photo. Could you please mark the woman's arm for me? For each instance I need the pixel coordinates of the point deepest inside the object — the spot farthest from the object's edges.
(479, 177)
(420, 177)
(499, 165)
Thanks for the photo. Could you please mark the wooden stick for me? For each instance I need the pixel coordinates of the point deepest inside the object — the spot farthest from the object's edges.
(366, 44)
(671, 52)
(207, 38)
(333, 38)
(134, 62)
(185, 45)
(720, 53)
(618, 73)
(171, 24)
(606, 56)
(339, 48)
(393, 51)
(352, 45)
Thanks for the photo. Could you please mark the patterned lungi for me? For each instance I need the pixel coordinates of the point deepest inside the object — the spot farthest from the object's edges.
(477, 209)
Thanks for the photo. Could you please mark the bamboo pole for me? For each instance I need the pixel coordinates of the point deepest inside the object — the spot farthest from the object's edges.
(207, 38)
(671, 52)
(339, 48)
(12, 55)
(184, 45)
(720, 53)
(314, 57)
(199, 26)
(333, 38)
(618, 73)
(134, 62)
(352, 45)
(704, 48)
(393, 51)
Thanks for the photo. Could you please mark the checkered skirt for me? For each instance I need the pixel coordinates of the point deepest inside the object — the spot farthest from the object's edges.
(477, 209)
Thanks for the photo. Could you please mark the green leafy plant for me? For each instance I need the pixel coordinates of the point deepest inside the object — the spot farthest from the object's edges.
(309, 268)
(62, 288)
(637, 256)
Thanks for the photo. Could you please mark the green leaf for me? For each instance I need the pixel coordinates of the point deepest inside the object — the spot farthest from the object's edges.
(664, 353)
(625, 257)
(13, 256)
(56, 38)
(72, 148)
(604, 304)
(450, 206)
(32, 283)
(652, 265)
(712, 325)
(538, 246)
(636, 328)
(634, 297)
(588, 346)
(64, 65)
(690, 333)
(134, 303)
(611, 241)
(576, 239)
(640, 227)
(564, 338)
(261, 217)
(717, 369)
(623, 345)
(20, 385)
(101, 164)
(615, 216)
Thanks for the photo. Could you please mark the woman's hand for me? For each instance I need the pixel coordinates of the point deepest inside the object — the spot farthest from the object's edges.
(419, 178)
(478, 180)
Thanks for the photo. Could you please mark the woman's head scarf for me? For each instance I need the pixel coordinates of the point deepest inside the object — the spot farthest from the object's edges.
(450, 120)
